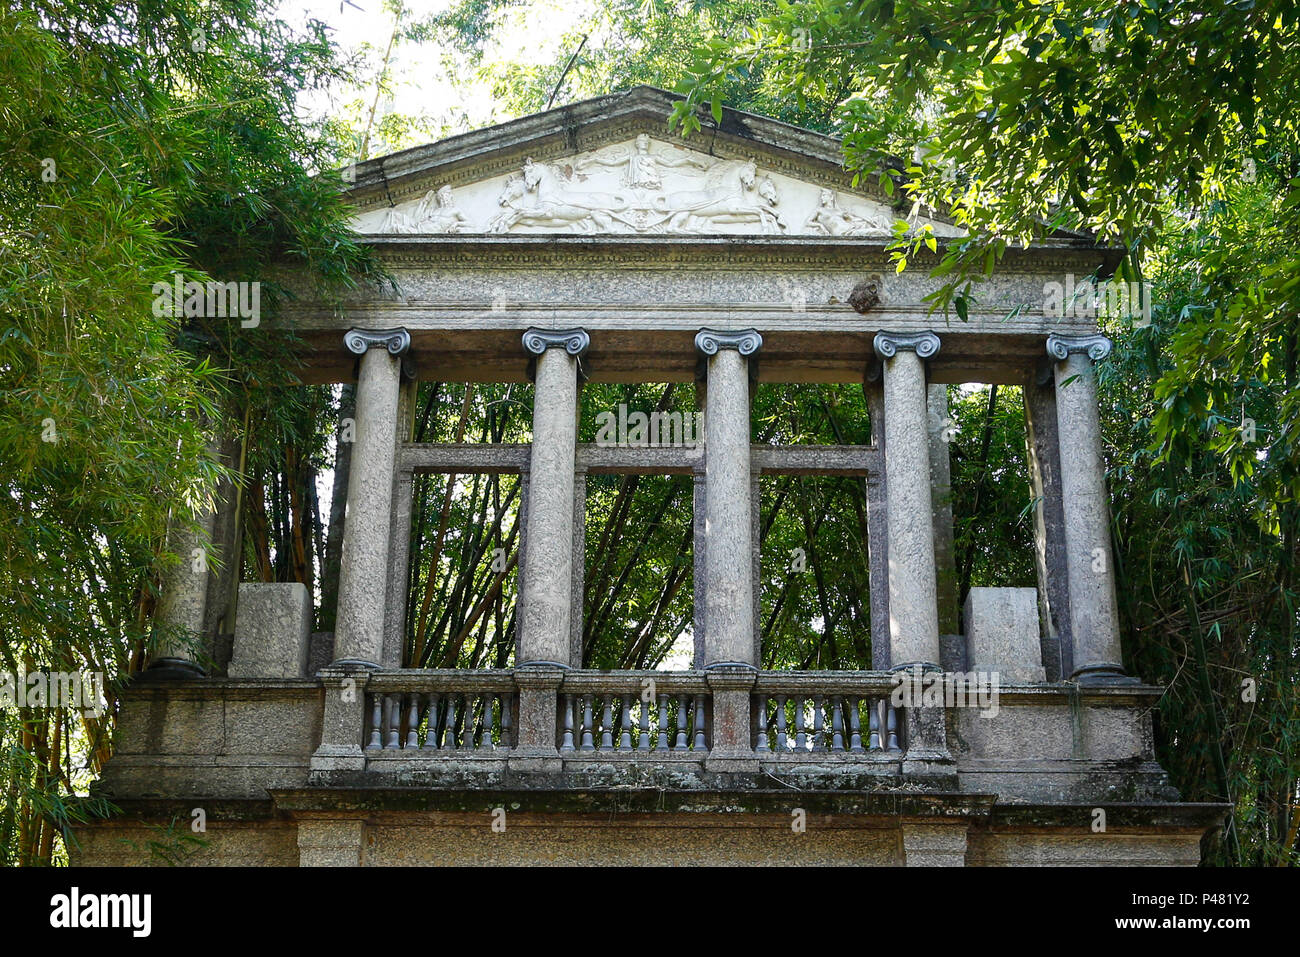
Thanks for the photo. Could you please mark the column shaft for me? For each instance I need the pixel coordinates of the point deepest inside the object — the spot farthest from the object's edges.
(1094, 617)
(729, 598)
(546, 589)
(913, 607)
(182, 603)
(363, 571)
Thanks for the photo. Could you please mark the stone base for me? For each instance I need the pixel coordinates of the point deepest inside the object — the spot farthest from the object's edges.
(351, 826)
(171, 669)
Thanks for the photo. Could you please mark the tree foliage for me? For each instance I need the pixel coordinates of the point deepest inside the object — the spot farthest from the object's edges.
(140, 141)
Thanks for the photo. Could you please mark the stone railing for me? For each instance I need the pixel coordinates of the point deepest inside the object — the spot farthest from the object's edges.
(794, 716)
(440, 711)
(805, 715)
(634, 714)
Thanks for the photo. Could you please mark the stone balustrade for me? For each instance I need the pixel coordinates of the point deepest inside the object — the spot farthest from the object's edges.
(440, 711)
(810, 716)
(635, 714)
(807, 715)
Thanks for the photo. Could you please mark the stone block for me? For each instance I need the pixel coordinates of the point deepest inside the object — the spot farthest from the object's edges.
(1002, 634)
(272, 630)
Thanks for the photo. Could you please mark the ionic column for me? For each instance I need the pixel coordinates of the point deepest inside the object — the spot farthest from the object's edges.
(182, 602)
(1090, 572)
(363, 568)
(545, 593)
(913, 606)
(728, 536)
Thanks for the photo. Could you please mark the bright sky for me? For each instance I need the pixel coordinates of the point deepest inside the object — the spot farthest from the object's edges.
(436, 81)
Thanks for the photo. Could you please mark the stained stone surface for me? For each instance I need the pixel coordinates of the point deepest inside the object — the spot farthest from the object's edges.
(941, 433)
(1002, 633)
(272, 630)
(1049, 525)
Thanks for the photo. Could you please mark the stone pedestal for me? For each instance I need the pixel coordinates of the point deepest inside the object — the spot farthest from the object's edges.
(546, 588)
(539, 692)
(731, 748)
(728, 532)
(913, 606)
(342, 722)
(272, 630)
(1002, 634)
(363, 571)
(1094, 616)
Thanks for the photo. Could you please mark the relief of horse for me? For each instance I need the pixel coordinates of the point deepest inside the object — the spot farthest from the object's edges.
(726, 199)
(553, 205)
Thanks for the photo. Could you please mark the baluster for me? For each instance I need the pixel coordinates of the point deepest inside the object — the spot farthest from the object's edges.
(643, 725)
(680, 743)
(412, 721)
(800, 737)
(429, 704)
(392, 718)
(566, 744)
(485, 742)
(625, 722)
(701, 743)
(782, 739)
(473, 720)
(661, 724)
(837, 723)
(375, 720)
(873, 726)
(855, 725)
(508, 721)
(607, 723)
(892, 727)
(760, 709)
(452, 740)
(587, 743)
(819, 726)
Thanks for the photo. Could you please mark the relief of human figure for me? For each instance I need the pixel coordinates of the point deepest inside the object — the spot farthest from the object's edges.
(435, 213)
(830, 220)
(640, 166)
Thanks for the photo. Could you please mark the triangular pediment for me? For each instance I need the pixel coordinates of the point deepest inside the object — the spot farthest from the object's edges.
(608, 167)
